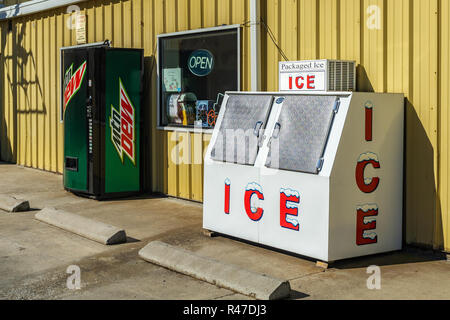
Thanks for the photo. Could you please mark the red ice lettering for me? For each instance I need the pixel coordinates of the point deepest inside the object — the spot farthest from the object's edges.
(363, 234)
(310, 82)
(369, 121)
(300, 82)
(253, 213)
(227, 197)
(371, 184)
(288, 210)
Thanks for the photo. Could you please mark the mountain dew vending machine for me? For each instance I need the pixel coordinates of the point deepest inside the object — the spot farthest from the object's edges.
(103, 120)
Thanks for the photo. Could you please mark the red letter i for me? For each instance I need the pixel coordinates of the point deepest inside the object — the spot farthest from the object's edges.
(369, 119)
(227, 196)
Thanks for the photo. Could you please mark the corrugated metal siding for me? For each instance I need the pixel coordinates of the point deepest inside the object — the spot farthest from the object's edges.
(444, 121)
(30, 86)
(403, 55)
(177, 161)
(32, 134)
(408, 53)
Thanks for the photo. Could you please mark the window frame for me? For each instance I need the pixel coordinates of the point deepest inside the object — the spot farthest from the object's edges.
(162, 36)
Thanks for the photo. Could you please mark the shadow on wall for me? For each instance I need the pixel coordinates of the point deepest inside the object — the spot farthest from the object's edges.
(149, 78)
(422, 216)
(5, 144)
(363, 83)
(157, 146)
(15, 80)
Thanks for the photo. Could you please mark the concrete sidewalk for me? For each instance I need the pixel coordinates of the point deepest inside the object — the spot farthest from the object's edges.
(34, 256)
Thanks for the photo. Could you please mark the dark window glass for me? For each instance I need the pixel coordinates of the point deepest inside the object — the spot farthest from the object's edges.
(195, 71)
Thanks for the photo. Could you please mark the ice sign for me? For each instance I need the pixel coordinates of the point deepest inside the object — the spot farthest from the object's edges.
(201, 62)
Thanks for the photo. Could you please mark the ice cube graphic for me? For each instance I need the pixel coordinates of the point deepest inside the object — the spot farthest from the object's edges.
(253, 186)
(369, 234)
(290, 192)
(367, 207)
(368, 156)
(368, 105)
(292, 220)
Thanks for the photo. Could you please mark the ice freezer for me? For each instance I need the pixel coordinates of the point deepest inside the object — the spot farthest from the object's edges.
(316, 174)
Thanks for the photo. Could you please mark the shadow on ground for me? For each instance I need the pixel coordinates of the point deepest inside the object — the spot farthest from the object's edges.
(406, 256)
(295, 295)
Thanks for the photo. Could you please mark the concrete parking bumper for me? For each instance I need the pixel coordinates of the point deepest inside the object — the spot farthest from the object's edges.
(85, 227)
(11, 204)
(224, 275)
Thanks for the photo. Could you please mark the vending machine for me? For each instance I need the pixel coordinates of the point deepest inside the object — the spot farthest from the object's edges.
(103, 121)
(318, 174)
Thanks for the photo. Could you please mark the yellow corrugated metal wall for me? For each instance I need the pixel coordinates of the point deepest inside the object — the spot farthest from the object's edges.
(405, 50)
(443, 123)
(31, 134)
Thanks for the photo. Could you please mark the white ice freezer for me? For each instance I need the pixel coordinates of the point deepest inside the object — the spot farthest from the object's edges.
(317, 174)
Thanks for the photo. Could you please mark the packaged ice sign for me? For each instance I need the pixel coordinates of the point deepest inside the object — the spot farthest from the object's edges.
(122, 124)
(317, 174)
(73, 82)
(201, 62)
(316, 75)
(302, 75)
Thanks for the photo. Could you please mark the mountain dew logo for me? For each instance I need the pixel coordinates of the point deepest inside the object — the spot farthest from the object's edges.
(122, 123)
(72, 83)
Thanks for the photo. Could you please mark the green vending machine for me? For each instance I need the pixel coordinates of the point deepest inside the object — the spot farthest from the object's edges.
(103, 121)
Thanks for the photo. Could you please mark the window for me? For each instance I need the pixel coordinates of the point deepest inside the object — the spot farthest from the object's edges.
(195, 69)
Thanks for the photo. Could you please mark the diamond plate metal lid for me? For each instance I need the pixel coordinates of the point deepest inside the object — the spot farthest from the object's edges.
(244, 119)
(301, 134)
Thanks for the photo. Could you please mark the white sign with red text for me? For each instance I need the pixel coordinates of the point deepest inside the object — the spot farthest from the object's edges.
(307, 75)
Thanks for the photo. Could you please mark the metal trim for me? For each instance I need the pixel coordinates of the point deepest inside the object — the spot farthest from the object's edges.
(178, 33)
(33, 6)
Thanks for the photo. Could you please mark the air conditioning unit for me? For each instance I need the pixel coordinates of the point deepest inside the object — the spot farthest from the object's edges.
(317, 75)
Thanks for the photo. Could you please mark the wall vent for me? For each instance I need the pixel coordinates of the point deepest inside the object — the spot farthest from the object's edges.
(341, 75)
